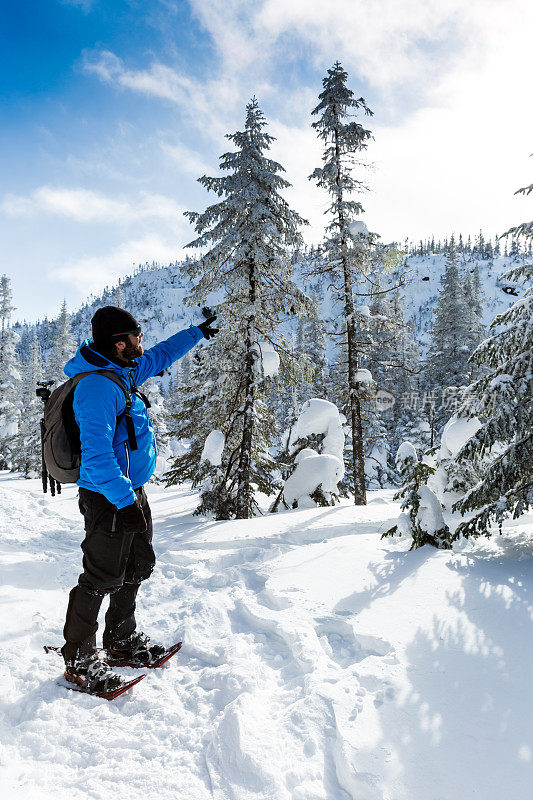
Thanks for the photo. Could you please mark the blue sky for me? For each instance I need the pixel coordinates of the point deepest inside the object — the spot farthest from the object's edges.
(111, 109)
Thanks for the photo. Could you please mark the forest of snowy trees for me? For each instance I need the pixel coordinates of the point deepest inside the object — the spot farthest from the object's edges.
(335, 370)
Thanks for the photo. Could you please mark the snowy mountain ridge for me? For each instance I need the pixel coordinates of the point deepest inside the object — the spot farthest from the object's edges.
(156, 296)
(422, 290)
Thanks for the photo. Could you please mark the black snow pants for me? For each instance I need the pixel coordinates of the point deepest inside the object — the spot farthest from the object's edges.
(114, 563)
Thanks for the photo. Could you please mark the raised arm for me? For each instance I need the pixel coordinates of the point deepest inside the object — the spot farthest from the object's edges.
(164, 354)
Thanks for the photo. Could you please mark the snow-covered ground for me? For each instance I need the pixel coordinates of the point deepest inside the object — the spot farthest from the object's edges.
(320, 662)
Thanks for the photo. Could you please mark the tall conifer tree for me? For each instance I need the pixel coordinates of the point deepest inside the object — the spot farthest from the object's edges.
(248, 232)
(10, 376)
(344, 139)
(63, 347)
(26, 445)
(6, 308)
(452, 337)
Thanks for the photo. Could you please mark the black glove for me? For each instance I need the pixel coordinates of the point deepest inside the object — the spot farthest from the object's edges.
(206, 328)
(132, 518)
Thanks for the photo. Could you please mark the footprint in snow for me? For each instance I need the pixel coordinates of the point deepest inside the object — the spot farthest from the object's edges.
(343, 645)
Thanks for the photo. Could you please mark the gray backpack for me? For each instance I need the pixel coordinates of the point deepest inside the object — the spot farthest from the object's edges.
(60, 434)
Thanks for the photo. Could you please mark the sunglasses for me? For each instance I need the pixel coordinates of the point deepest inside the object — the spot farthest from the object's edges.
(136, 332)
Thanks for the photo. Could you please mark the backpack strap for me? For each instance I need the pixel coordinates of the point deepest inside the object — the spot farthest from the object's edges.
(135, 389)
(112, 376)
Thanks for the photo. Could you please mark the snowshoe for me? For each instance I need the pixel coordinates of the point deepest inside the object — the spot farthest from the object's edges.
(111, 694)
(135, 651)
(90, 674)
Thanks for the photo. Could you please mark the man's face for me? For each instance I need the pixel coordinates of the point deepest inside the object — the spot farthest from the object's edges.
(132, 348)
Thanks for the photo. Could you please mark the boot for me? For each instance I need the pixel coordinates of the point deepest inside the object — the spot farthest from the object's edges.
(135, 650)
(92, 674)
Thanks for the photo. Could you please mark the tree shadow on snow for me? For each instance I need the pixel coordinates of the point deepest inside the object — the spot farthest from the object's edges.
(395, 568)
(461, 728)
(179, 531)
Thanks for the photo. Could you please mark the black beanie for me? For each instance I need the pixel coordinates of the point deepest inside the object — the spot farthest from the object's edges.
(109, 321)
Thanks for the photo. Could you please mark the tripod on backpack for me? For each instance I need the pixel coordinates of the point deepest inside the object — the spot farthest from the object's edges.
(43, 391)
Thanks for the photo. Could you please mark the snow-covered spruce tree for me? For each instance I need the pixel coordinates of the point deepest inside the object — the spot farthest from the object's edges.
(6, 308)
(205, 395)
(502, 399)
(10, 404)
(180, 374)
(311, 346)
(249, 232)
(424, 520)
(26, 445)
(474, 294)
(473, 303)
(391, 355)
(344, 139)
(10, 376)
(63, 347)
(208, 424)
(118, 299)
(377, 448)
(406, 423)
(452, 337)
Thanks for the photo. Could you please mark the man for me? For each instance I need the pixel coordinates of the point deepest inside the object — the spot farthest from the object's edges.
(118, 456)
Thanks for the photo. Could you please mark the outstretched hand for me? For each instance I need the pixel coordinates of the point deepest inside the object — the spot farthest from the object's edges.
(206, 328)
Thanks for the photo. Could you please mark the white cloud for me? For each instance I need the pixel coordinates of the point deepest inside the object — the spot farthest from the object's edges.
(189, 161)
(451, 164)
(83, 205)
(386, 42)
(455, 165)
(299, 151)
(405, 45)
(205, 104)
(159, 81)
(232, 25)
(92, 272)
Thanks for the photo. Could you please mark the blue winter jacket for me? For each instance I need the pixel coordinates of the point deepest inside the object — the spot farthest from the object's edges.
(108, 465)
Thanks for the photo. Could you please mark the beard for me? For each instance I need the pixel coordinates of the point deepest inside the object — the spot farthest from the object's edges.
(132, 351)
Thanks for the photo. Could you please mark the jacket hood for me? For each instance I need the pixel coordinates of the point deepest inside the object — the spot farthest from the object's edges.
(89, 360)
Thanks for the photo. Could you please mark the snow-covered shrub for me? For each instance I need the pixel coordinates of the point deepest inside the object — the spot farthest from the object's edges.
(424, 520)
(314, 481)
(267, 361)
(213, 448)
(319, 418)
(315, 446)
(377, 471)
(453, 479)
